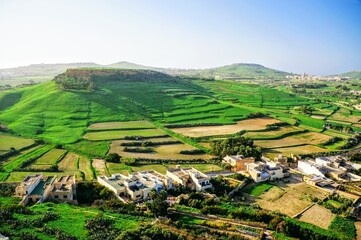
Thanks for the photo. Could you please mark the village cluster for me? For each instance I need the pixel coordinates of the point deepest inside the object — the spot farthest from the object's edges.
(321, 171)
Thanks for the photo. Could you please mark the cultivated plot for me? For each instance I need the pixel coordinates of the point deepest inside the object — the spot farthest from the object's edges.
(99, 166)
(171, 151)
(318, 216)
(289, 198)
(249, 124)
(69, 162)
(161, 168)
(121, 134)
(85, 168)
(50, 157)
(7, 142)
(121, 125)
(304, 149)
(274, 134)
(298, 139)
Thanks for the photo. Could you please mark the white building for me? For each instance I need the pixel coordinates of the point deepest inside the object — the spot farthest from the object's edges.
(309, 168)
(137, 185)
(190, 178)
(154, 180)
(38, 188)
(275, 170)
(125, 187)
(257, 172)
(261, 172)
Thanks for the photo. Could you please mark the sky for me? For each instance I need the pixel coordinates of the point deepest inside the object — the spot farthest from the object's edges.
(312, 36)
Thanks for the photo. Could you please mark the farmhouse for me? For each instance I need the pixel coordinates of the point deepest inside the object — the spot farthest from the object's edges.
(257, 172)
(125, 187)
(276, 171)
(238, 162)
(190, 178)
(136, 186)
(264, 171)
(37, 188)
(63, 189)
(154, 180)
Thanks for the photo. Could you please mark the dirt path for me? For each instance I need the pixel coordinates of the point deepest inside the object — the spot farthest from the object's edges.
(358, 230)
(220, 219)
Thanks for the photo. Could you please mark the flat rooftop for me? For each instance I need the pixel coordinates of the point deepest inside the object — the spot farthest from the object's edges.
(114, 181)
(30, 179)
(39, 190)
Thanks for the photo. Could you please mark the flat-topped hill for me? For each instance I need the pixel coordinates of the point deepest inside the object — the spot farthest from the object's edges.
(88, 78)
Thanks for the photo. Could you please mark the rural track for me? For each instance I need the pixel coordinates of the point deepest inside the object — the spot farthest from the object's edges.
(224, 220)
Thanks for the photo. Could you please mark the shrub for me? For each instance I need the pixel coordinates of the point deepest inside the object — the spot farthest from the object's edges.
(112, 157)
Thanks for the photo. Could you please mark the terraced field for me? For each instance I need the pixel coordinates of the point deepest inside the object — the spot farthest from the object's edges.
(8, 141)
(161, 168)
(170, 151)
(290, 198)
(69, 162)
(121, 125)
(318, 216)
(86, 168)
(274, 134)
(19, 176)
(50, 157)
(304, 149)
(296, 140)
(249, 124)
(121, 134)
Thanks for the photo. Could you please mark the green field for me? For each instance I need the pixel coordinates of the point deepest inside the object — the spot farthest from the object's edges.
(50, 157)
(121, 125)
(120, 134)
(258, 189)
(11, 166)
(19, 176)
(72, 220)
(161, 168)
(90, 148)
(7, 142)
(86, 168)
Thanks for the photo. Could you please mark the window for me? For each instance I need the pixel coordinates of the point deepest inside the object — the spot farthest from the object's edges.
(65, 196)
(56, 196)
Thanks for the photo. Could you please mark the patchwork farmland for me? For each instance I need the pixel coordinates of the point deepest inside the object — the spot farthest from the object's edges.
(288, 198)
(180, 116)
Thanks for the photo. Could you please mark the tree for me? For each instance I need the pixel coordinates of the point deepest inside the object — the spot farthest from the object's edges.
(112, 157)
(236, 145)
(158, 206)
(305, 109)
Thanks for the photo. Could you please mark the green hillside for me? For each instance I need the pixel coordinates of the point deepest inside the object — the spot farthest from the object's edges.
(239, 71)
(48, 111)
(180, 118)
(352, 74)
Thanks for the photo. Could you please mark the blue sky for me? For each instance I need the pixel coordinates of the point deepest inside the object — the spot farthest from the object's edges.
(313, 36)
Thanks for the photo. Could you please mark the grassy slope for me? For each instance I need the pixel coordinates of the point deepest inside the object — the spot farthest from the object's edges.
(60, 116)
(72, 219)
